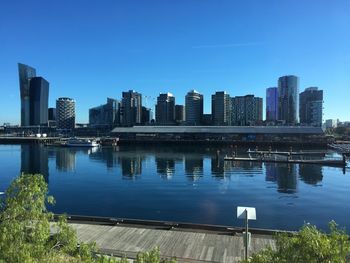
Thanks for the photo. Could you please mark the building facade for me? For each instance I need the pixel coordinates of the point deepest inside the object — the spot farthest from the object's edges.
(165, 109)
(106, 114)
(194, 108)
(221, 108)
(65, 113)
(39, 100)
(179, 113)
(311, 107)
(147, 115)
(272, 104)
(288, 99)
(25, 74)
(131, 108)
(246, 110)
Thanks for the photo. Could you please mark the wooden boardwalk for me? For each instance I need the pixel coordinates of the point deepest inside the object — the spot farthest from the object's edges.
(184, 245)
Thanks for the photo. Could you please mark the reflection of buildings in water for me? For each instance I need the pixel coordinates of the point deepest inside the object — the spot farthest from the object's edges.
(34, 160)
(271, 172)
(193, 167)
(221, 168)
(65, 159)
(310, 174)
(105, 154)
(286, 178)
(165, 167)
(131, 166)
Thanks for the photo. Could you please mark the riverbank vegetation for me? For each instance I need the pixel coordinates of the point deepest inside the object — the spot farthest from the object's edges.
(29, 234)
(310, 245)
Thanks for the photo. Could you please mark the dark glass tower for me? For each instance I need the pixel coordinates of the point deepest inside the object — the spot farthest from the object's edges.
(165, 109)
(288, 99)
(25, 74)
(272, 104)
(311, 106)
(39, 100)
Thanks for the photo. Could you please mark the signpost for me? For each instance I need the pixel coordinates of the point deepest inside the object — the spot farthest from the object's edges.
(246, 213)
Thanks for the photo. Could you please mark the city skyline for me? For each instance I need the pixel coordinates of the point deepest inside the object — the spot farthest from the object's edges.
(174, 47)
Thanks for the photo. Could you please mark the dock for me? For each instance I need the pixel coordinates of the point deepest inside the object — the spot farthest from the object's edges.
(330, 162)
(185, 242)
(321, 153)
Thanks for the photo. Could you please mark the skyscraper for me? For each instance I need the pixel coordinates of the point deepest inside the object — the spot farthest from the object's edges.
(165, 109)
(39, 100)
(221, 108)
(25, 74)
(131, 108)
(246, 110)
(179, 113)
(194, 108)
(65, 110)
(106, 114)
(311, 106)
(288, 99)
(272, 104)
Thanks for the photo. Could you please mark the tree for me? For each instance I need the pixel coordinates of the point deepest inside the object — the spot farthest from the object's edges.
(307, 245)
(28, 233)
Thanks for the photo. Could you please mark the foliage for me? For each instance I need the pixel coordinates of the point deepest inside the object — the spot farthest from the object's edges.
(28, 233)
(308, 245)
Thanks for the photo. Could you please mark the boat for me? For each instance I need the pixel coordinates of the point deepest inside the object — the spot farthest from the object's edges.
(81, 142)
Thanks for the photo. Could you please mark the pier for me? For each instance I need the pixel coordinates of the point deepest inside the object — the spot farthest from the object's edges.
(185, 242)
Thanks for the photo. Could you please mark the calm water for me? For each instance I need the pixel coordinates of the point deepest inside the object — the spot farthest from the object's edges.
(185, 184)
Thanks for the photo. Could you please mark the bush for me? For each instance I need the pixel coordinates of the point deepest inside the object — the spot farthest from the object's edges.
(308, 245)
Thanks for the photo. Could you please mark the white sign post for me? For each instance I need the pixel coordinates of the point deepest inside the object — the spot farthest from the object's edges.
(247, 213)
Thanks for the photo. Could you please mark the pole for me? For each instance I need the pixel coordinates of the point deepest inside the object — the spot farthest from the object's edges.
(246, 235)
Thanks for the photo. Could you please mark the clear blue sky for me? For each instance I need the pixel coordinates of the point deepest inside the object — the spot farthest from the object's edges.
(89, 50)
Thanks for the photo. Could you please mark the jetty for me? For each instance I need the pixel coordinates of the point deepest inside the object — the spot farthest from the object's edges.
(287, 157)
(185, 242)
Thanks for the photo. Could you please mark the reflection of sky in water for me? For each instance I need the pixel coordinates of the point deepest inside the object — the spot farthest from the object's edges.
(185, 184)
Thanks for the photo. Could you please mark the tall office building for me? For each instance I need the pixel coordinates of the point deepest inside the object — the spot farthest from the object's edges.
(106, 114)
(65, 110)
(147, 115)
(52, 114)
(288, 99)
(39, 100)
(272, 104)
(246, 110)
(179, 113)
(194, 108)
(131, 108)
(311, 106)
(221, 108)
(25, 74)
(165, 109)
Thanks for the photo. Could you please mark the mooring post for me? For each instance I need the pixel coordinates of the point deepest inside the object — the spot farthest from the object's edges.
(246, 235)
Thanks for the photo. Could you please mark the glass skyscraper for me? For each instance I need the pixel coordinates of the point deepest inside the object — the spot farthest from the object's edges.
(311, 106)
(272, 104)
(194, 108)
(288, 99)
(165, 109)
(25, 74)
(39, 100)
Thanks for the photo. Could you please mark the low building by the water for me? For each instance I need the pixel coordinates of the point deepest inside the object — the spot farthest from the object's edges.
(222, 133)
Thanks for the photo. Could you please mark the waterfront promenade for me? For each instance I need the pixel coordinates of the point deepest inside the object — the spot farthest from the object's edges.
(186, 245)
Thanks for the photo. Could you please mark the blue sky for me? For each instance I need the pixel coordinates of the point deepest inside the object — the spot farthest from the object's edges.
(90, 50)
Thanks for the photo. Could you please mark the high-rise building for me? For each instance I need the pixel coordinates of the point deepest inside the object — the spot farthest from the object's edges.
(272, 104)
(288, 99)
(131, 108)
(65, 110)
(221, 108)
(25, 74)
(246, 110)
(194, 108)
(311, 106)
(179, 113)
(52, 114)
(39, 100)
(146, 115)
(106, 114)
(165, 109)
